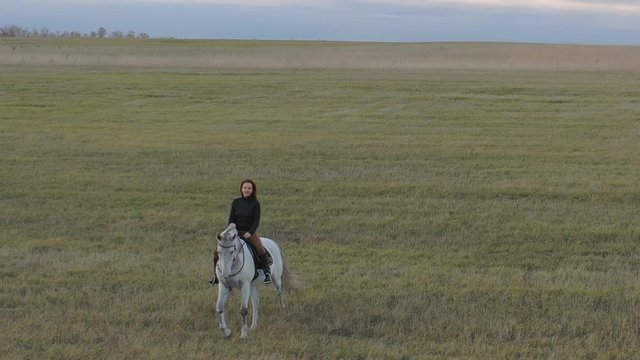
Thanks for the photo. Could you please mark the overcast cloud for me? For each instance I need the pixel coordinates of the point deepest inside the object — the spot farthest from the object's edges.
(540, 21)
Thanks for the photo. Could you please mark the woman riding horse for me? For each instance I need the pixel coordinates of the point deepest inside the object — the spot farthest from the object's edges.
(245, 213)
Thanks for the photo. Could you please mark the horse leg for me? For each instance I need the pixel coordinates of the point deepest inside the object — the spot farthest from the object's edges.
(223, 294)
(244, 310)
(255, 304)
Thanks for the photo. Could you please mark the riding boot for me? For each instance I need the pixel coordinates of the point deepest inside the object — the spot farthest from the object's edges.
(264, 262)
(214, 279)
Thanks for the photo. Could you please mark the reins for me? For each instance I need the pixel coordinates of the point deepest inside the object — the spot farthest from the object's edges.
(242, 244)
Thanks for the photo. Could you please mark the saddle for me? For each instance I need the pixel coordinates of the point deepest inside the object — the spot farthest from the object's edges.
(254, 256)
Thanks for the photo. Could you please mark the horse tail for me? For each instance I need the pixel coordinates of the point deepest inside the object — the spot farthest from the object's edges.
(290, 279)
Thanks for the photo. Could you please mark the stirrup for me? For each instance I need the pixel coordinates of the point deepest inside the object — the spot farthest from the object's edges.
(267, 278)
(213, 280)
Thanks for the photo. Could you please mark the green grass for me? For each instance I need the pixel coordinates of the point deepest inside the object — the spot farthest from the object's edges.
(447, 213)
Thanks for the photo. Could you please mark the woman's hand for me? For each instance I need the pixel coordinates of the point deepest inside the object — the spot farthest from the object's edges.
(247, 235)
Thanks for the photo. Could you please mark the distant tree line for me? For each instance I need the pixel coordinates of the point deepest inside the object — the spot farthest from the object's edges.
(13, 31)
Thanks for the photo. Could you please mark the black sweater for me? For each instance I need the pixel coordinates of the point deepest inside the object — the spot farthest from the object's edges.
(245, 213)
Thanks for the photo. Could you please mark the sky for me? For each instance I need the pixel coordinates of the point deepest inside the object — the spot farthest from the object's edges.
(613, 22)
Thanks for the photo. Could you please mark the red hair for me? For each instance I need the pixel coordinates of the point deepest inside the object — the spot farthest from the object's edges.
(254, 192)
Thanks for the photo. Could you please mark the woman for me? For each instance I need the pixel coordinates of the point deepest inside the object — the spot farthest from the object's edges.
(245, 213)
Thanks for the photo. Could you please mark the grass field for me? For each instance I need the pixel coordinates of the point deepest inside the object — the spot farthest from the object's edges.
(442, 207)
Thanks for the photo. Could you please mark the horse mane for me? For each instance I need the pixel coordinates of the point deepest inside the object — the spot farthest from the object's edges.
(230, 229)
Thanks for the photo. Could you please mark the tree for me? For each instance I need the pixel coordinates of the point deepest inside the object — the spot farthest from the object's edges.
(13, 31)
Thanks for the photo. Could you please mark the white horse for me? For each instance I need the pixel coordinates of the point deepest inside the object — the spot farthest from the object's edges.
(236, 269)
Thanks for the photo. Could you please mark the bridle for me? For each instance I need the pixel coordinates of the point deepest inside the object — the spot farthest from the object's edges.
(235, 253)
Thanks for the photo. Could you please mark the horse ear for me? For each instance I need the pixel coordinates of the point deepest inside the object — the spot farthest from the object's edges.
(231, 226)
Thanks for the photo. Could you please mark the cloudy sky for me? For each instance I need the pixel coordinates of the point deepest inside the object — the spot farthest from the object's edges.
(538, 21)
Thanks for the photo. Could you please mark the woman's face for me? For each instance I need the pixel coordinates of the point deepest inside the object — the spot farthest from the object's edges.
(247, 189)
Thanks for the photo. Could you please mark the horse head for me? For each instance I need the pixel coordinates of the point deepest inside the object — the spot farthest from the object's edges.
(229, 246)
(228, 235)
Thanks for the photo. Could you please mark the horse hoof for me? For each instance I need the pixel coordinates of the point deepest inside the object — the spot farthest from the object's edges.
(227, 334)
